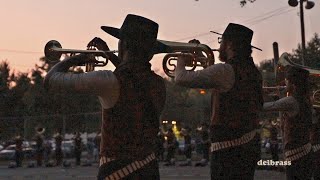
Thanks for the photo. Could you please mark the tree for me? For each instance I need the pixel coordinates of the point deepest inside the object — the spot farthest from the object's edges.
(186, 105)
(266, 68)
(266, 65)
(17, 92)
(5, 81)
(311, 55)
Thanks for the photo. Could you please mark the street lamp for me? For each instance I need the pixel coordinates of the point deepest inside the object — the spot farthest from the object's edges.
(309, 5)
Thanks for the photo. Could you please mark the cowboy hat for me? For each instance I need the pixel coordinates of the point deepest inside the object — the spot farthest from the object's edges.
(139, 29)
(237, 31)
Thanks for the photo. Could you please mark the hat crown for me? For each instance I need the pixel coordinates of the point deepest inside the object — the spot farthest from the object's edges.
(138, 27)
(237, 31)
(297, 73)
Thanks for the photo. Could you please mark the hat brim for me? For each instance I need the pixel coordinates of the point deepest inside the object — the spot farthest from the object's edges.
(158, 48)
(222, 34)
(115, 32)
(216, 33)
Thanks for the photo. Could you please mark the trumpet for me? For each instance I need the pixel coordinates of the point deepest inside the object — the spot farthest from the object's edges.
(200, 54)
(40, 130)
(285, 62)
(195, 51)
(53, 52)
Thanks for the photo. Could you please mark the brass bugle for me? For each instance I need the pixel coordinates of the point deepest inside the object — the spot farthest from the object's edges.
(53, 52)
(275, 87)
(314, 74)
(40, 130)
(193, 49)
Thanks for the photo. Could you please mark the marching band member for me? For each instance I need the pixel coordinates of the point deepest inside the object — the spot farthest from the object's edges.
(205, 144)
(77, 147)
(171, 147)
(132, 98)
(97, 141)
(19, 152)
(39, 145)
(236, 103)
(187, 145)
(160, 145)
(296, 123)
(315, 141)
(58, 151)
(274, 146)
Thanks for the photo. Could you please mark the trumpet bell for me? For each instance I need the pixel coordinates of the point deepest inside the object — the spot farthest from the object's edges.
(53, 52)
(50, 51)
(40, 130)
(168, 62)
(201, 55)
(316, 99)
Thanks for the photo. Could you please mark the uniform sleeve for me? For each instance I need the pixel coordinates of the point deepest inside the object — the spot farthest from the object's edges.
(95, 82)
(219, 77)
(286, 104)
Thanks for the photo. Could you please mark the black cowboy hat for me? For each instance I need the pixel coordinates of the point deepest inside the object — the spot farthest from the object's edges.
(297, 74)
(139, 29)
(237, 31)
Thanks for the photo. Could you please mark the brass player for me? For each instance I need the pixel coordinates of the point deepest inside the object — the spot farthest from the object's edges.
(97, 142)
(19, 151)
(77, 148)
(296, 123)
(39, 145)
(58, 151)
(171, 148)
(236, 103)
(132, 98)
(187, 145)
(315, 141)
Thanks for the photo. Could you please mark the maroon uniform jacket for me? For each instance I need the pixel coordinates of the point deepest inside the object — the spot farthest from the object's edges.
(130, 127)
(236, 112)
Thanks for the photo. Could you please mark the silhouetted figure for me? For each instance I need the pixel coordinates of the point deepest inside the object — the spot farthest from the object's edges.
(205, 145)
(296, 123)
(47, 153)
(274, 145)
(171, 148)
(160, 142)
(315, 141)
(132, 98)
(58, 151)
(77, 148)
(187, 146)
(236, 100)
(19, 151)
(97, 141)
(39, 146)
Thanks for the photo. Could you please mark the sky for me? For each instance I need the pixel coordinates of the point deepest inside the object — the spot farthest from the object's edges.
(26, 26)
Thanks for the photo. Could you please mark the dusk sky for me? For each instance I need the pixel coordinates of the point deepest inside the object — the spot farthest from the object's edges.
(26, 26)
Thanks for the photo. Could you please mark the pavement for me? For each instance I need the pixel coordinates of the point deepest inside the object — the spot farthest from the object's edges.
(83, 173)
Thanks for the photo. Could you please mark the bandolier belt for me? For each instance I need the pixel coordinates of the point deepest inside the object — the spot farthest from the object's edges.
(316, 147)
(297, 153)
(232, 143)
(127, 169)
